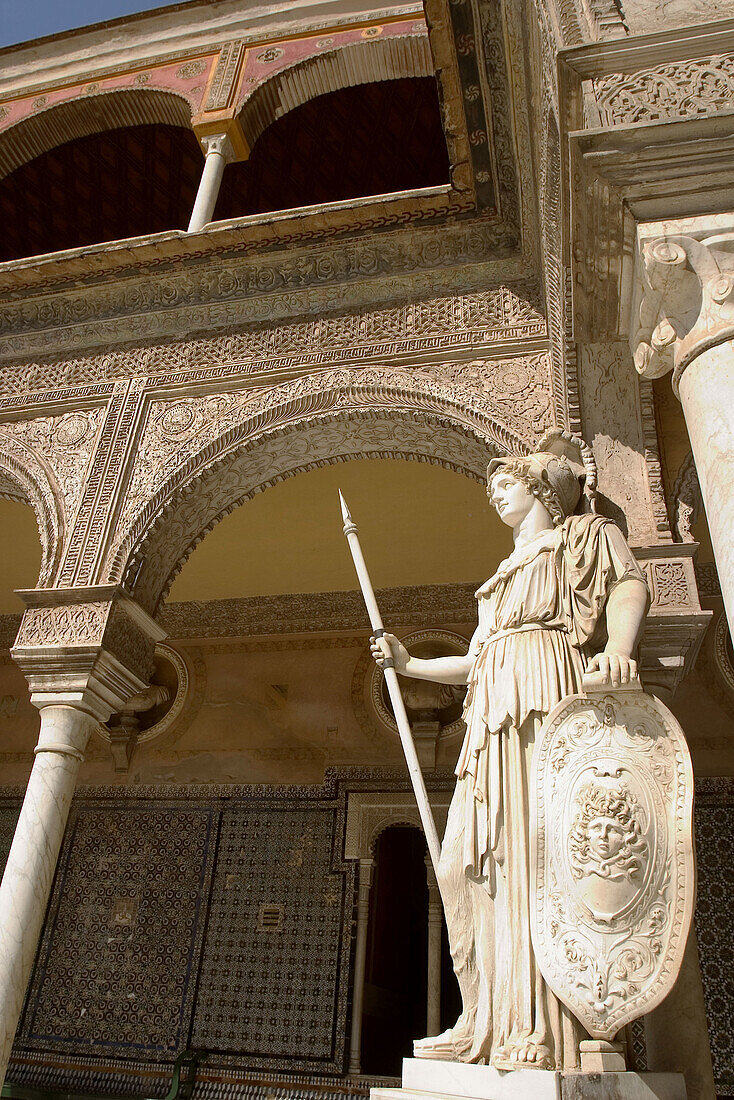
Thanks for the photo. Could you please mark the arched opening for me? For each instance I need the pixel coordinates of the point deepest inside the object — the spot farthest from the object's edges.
(419, 524)
(20, 552)
(371, 139)
(120, 183)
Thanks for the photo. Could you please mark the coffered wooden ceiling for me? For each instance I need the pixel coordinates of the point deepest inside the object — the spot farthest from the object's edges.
(365, 140)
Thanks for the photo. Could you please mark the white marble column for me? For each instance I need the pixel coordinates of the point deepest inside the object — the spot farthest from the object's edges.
(219, 152)
(683, 322)
(84, 653)
(435, 922)
(366, 867)
(26, 883)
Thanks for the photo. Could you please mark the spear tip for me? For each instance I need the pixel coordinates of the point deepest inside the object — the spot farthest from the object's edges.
(346, 516)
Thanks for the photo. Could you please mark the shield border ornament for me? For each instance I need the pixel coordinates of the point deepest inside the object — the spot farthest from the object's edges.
(610, 969)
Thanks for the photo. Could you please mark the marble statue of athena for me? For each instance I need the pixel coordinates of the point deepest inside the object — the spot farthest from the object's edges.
(569, 599)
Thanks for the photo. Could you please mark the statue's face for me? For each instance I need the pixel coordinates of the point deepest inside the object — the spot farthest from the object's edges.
(606, 837)
(510, 498)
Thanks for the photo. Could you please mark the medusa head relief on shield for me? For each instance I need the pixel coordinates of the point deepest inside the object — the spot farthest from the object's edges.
(607, 848)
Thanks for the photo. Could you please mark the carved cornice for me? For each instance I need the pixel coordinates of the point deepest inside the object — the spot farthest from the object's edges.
(684, 302)
(186, 298)
(501, 317)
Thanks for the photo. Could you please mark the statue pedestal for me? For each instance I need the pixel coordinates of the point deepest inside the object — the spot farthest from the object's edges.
(426, 1079)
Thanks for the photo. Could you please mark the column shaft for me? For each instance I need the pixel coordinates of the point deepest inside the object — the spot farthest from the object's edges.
(26, 883)
(435, 923)
(360, 959)
(208, 193)
(707, 396)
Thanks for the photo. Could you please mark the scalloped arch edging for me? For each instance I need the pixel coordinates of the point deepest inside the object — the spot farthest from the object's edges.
(86, 115)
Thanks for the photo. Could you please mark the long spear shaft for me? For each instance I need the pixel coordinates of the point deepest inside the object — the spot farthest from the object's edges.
(393, 687)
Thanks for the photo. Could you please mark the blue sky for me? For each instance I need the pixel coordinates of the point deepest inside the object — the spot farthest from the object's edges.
(24, 19)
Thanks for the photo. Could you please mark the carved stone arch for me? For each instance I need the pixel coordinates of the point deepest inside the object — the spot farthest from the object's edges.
(89, 114)
(26, 477)
(358, 63)
(331, 419)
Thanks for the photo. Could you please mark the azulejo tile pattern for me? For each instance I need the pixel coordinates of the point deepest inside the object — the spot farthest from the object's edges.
(116, 968)
(714, 919)
(274, 985)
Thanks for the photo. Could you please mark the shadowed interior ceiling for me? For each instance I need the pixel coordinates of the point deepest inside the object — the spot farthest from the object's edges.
(367, 140)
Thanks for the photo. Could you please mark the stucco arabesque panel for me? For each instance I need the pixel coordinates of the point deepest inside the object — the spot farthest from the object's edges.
(26, 476)
(685, 89)
(489, 401)
(65, 445)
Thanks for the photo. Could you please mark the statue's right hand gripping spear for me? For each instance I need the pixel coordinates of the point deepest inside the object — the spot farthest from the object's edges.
(393, 687)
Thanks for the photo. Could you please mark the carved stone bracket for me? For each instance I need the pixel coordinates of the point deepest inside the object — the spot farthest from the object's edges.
(676, 624)
(87, 647)
(685, 300)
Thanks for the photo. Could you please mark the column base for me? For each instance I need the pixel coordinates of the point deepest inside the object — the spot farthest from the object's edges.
(426, 1079)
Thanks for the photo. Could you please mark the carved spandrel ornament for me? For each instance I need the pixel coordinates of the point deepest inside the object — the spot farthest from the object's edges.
(612, 861)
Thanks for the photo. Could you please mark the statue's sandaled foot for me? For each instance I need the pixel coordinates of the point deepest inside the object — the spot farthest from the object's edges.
(452, 1045)
(526, 1053)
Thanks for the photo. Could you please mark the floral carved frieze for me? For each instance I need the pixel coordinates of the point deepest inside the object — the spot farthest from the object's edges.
(28, 477)
(613, 855)
(504, 314)
(683, 90)
(266, 288)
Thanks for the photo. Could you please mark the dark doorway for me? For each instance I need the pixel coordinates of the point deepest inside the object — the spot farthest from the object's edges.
(395, 973)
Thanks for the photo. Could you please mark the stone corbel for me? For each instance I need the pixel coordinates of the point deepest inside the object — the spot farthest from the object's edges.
(684, 303)
(90, 648)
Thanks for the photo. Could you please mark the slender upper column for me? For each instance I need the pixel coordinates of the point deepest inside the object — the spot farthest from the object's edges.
(683, 322)
(435, 923)
(366, 867)
(219, 151)
(85, 652)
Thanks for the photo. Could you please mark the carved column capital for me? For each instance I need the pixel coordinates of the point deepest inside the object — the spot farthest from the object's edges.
(684, 296)
(218, 143)
(91, 648)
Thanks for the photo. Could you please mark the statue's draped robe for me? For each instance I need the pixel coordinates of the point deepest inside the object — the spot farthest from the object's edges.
(538, 616)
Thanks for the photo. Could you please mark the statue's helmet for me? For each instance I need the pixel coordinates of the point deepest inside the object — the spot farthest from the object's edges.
(563, 467)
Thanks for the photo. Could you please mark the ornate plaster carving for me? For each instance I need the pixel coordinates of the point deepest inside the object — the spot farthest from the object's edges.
(409, 606)
(279, 285)
(687, 501)
(67, 443)
(504, 314)
(682, 90)
(685, 301)
(613, 860)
